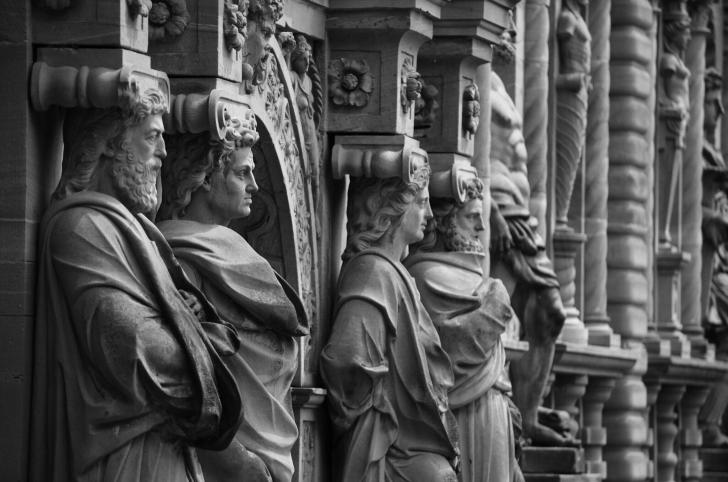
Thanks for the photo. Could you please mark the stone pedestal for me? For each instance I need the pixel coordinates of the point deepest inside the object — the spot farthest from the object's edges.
(313, 429)
(567, 245)
(669, 265)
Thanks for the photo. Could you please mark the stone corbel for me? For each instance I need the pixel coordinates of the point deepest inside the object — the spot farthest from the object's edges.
(452, 183)
(377, 156)
(214, 51)
(69, 86)
(213, 112)
(400, 28)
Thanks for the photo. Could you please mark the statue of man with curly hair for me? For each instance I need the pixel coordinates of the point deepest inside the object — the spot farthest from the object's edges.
(208, 182)
(385, 370)
(125, 382)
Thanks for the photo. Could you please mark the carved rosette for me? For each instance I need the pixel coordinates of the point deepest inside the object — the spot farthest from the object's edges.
(350, 82)
(410, 85)
(168, 19)
(471, 110)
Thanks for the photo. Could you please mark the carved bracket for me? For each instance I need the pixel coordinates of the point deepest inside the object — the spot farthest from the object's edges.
(452, 183)
(382, 157)
(215, 112)
(85, 87)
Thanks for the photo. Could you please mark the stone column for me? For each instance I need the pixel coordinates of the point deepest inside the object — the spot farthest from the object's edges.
(536, 107)
(596, 180)
(667, 399)
(628, 238)
(691, 439)
(692, 192)
(593, 432)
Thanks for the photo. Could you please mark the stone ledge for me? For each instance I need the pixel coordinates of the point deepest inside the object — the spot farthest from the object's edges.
(591, 360)
(685, 371)
(552, 460)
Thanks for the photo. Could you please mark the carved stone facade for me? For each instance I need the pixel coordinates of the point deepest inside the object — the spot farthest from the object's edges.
(616, 171)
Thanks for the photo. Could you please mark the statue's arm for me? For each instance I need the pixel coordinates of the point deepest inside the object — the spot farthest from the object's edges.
(117, 325)
(354, 366)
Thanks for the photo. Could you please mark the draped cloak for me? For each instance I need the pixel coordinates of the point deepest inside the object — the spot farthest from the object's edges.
(125, 381)
(388, 378)
(454, 292)
(267, 314)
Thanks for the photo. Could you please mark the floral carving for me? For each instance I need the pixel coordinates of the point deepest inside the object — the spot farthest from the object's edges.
(471, 110)
(505, 50)
(234, 24)
(266, 13)
(139, 7)
(168, 19)
(411, 85)
(426, 107)
(350, 82)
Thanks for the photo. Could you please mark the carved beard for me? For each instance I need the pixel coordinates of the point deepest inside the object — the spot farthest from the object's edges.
(455, 241)
(135, 182)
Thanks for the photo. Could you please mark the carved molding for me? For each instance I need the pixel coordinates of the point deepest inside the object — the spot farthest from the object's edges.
(168, 19)
(410, 84)
(350, 82)
(234, 24)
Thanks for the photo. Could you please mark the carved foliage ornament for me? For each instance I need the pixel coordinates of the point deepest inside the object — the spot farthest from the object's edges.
(168, 19)
(234, 24)
(411, 85)
(471, 110)
(350, 82)
(426, 107)
(266, 13)
(505, 50)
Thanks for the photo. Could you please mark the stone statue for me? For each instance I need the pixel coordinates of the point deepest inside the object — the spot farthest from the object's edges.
(674, 105)
(573, 85)
(207, 183)
(715, 255)
(126, 382)
(301, 61)
(470, 312)
(383, 365)
(519, 259)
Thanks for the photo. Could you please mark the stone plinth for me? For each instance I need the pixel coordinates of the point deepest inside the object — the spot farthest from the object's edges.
(567, 245)
(93, 23)
(313, 427)
(201, 50)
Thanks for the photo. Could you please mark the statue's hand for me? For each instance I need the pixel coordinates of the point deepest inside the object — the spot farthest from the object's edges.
(193, 304)
(500, 236)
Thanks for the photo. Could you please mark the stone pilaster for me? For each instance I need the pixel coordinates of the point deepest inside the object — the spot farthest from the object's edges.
(596, 181)
(536, 107)
(692, 192)
(629, 241)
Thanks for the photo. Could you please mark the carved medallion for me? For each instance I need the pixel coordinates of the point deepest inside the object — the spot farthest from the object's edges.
(350, 82)
(168, 19)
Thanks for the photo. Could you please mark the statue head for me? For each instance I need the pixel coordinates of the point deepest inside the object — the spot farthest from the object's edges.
(301, 55)
(117, 151)
(265, 13)
(456, 226)
(676, 21)
(216, 174)
(380, 209)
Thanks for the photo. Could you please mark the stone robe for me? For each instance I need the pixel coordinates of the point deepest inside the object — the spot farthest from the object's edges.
(124, 379)
(267, 314)
(453, 291)
(388, 378)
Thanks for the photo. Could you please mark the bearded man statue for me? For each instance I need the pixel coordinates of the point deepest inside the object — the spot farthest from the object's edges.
(470, 312)
(384, 368)
(208, 182)
(126, 383)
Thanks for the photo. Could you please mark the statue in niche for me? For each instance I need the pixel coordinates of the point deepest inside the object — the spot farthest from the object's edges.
(572, 95)
(383, 365)
(470, 312)
(301, 62)
(674, 105)
(518, 258)
(126, 383)
(207, 183)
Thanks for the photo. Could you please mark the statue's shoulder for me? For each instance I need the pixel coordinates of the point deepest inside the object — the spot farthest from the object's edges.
(371, 274)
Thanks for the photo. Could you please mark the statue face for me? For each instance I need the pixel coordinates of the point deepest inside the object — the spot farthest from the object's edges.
(231, 193)
(469, 220)
(414, 220)
(135, 170)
